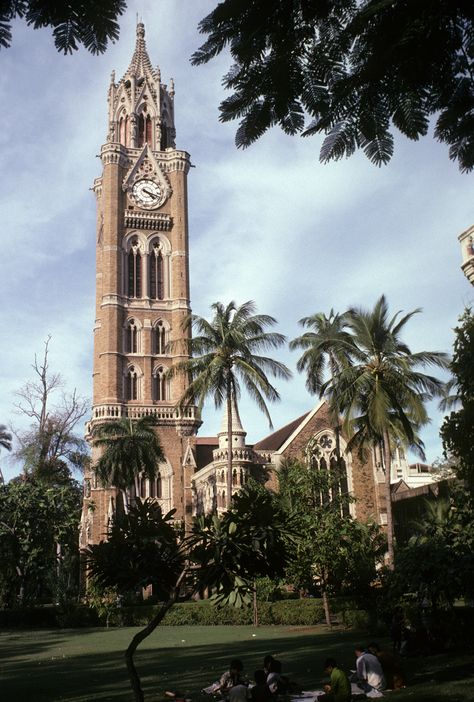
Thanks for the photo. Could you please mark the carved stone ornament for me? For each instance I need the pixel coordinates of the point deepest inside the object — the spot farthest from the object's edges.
(145, 183)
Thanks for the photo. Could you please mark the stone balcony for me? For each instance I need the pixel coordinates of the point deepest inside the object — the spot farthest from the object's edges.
(466, 239)
(164, 414)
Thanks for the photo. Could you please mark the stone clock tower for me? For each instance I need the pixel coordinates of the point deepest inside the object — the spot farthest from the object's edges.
(142, 286)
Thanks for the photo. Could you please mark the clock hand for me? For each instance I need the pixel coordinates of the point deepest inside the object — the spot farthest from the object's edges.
(148, 192)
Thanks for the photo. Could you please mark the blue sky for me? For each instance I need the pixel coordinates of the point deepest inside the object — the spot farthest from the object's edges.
(269, 223)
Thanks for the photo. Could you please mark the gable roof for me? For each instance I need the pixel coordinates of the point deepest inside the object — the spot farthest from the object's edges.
(272, 442)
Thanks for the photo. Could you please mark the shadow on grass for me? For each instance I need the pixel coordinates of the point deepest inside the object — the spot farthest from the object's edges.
(73, 666)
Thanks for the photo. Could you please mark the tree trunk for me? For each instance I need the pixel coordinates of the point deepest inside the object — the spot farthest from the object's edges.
(229, 446)
(387, 458)
(327, 610)
(135, 683)
(255, 604)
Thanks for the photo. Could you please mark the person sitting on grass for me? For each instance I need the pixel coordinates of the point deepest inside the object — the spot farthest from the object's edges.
(369, 673)
(393, 673)
(260, 692)
(231, 678)
(339, 688)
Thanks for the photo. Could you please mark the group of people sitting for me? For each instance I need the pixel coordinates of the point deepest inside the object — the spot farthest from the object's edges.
(267, 684)
(376, 671)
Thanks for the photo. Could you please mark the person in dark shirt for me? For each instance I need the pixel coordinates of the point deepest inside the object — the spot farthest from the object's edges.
(260, 692)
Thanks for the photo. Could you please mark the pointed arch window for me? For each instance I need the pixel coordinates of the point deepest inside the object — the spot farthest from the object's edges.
(131, 384)
(159, 486)
(124, 130)
(159, 339)
(134, 271)
(159, 385)
(131, 337)
(143, 487)
(324, 458)
(156, 272)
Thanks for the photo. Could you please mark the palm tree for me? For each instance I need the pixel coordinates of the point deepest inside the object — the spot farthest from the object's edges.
(382, 393)
(6, 443)
(224, 354)
(326, 351)
(130, 448)
(5, 438)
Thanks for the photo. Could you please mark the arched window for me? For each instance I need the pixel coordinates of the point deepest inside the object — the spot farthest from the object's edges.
(141, 130)
(131, 384)
(156, 272)
(143, 486)
(159, 385)
(148, 130)
(159, 339)
(134, 271)
(322, 456)
(159, 487)
(242, 477)
(123, 130)
(131, 337)
(234, 477)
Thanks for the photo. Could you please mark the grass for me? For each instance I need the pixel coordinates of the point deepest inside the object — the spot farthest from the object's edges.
(87, 665)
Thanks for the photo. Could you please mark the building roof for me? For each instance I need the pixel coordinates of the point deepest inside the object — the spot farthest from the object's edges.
(205, 445)
(274, 441)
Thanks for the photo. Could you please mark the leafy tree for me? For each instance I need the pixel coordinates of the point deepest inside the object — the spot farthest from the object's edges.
(457, 431)
(437, 564)
(382, 393)
(130, 448)
(225, 353)
(333, 553)
(225, 554)
(38, 539)
(353, 69)
(88, 23)
(50, 449)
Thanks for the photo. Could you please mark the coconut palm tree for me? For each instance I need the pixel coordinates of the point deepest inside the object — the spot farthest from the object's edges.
(5, 438)
(382, 393)
(130, 448)
(225, 353)
(326, 351)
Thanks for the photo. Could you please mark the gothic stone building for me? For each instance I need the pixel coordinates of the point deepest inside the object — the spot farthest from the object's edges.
(142, 297)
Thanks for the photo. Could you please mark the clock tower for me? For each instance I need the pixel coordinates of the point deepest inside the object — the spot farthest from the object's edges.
(142, 287)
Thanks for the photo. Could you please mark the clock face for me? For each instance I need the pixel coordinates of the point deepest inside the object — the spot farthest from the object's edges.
(147, 193)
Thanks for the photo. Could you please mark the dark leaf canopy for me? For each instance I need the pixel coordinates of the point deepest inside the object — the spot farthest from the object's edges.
(348, 70)
(383, 388)
(88, 23)
(129, 448)
(141, 549)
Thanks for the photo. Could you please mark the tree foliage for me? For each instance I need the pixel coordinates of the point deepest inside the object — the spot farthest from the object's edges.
(130, 448)
(38, 539)
(350, 70)
(437, 564)
(333, 554)
(457, 431)
(88, 23)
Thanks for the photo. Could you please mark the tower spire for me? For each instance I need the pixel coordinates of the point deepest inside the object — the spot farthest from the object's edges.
(140, 65)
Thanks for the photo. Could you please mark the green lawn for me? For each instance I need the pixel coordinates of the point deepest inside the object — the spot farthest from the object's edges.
(87, 665)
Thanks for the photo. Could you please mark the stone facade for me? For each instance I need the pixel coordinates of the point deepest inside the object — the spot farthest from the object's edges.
(142, 286)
